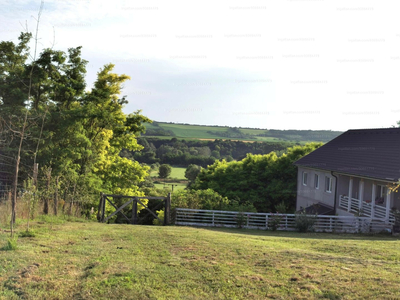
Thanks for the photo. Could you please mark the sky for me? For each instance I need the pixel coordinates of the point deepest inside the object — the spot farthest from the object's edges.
(275, 64)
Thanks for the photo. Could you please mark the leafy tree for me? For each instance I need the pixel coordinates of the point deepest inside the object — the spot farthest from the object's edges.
(192, 171)
(164, 171)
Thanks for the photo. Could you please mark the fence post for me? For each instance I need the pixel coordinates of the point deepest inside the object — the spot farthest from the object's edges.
(134, 211)
(213, 218)
(266, 221)
(100, 207)
(167, 211)
(330, 224)
(103, 210)
(286, 222)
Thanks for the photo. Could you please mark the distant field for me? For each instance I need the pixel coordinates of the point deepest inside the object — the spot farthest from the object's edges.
(177, 179)
(105, 261)
(187, 131)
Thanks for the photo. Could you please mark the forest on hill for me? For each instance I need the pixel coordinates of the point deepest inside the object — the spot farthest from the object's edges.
(185, 152)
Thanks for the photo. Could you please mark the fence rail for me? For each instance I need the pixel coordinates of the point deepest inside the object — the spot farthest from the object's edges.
(322, 223)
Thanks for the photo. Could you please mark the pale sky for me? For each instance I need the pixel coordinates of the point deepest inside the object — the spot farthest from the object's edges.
(276, 64)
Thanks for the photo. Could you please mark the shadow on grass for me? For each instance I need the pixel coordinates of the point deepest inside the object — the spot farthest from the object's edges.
(308, 235)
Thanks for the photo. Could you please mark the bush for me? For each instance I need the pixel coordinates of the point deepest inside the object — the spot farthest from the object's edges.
(305, 222)
(241, 220)
(274, 222)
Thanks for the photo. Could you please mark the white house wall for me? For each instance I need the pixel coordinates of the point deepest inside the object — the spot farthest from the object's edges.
(308, 195)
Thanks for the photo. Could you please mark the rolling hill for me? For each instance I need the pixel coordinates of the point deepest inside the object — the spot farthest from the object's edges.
(187, 131)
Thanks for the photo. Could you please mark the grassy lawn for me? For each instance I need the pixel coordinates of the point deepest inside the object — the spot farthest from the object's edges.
(99, 261)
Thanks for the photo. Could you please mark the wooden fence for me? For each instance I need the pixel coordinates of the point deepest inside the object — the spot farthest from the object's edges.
(322, 223)
(132, 201)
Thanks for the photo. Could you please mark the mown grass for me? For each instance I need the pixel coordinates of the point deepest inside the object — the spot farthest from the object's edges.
(70, 260)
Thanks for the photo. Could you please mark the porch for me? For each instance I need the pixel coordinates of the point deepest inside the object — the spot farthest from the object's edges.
(365, 197)
(365, 209)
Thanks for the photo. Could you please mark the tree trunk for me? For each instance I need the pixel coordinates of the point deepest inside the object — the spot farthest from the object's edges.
(47, 196)
(56, 197)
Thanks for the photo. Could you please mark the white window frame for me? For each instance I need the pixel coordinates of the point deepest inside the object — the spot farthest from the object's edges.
(328, 184)
(305, 177)
(316, 181)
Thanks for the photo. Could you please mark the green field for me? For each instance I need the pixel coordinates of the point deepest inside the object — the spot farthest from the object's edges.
(177, 178)
(188, 131)
(99, 261)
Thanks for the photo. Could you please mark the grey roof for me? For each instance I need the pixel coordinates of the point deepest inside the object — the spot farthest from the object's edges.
(372, 153)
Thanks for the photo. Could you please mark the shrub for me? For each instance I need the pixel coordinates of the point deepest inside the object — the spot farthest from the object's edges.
(305, 222)
(160, 215)
(240, 220)
(274, 222)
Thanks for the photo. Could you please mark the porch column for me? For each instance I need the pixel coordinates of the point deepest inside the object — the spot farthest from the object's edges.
(387, 199)
(361, 193)
(373, 200)
(350, 193)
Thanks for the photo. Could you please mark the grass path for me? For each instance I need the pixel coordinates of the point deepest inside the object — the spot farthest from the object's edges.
(99, 261)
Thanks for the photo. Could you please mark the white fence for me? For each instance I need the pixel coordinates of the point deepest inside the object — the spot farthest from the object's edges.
(217, 218)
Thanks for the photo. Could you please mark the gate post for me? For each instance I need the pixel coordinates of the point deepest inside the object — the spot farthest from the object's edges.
(167, 210)
(103, 209)
(134, 211)
(100, 208)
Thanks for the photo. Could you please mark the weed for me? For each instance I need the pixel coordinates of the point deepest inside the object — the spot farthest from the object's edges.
(11, 244)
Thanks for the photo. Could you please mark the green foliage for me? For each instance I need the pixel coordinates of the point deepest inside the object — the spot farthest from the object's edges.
(192, 171)
(266, 181)
(164, 171)
(160, 215)
(305, 222)
(241, 219)
(75, 134)
(12, 244)
(274, 221)
(201, 199)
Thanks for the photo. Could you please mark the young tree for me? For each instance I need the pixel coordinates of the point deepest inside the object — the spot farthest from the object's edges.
(164, 171)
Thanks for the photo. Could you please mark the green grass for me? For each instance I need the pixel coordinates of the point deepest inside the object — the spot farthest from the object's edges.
(178, 173)
(100, 261)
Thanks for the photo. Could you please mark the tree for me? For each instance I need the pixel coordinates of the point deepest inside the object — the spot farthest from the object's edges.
(191, 173)
(164, 171)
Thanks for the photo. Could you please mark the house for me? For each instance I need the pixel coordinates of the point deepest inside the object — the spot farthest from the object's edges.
(354, 174)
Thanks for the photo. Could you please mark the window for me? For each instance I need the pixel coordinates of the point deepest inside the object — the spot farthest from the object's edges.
(304, 178)
(328, 184)
(316, 181)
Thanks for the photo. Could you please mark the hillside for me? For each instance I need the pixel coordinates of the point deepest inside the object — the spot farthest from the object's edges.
(188, 131)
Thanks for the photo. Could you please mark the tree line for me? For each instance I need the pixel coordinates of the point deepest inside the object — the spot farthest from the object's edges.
(203, 153)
